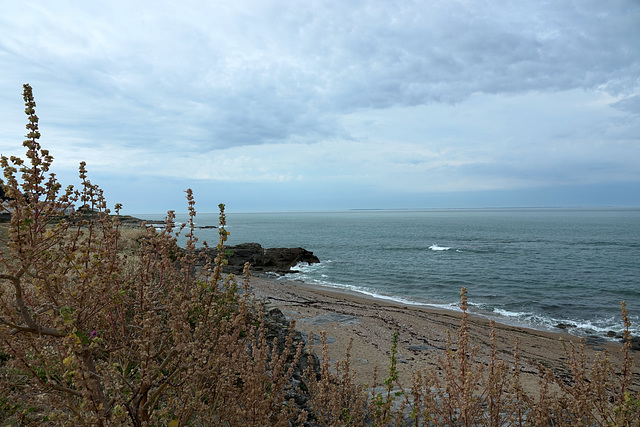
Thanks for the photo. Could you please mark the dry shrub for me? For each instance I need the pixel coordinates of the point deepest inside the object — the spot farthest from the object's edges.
(93, 333)
(464, 391)
(97, 329)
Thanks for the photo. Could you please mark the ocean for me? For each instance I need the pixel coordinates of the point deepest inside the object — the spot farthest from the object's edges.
(530, 267)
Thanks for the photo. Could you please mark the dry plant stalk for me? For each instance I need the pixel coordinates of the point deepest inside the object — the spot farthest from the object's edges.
(469, 393)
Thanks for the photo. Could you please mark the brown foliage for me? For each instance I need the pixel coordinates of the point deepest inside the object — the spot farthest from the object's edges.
(92, 336)
(94, 331)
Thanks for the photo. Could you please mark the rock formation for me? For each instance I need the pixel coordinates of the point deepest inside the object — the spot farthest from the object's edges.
(276, 260)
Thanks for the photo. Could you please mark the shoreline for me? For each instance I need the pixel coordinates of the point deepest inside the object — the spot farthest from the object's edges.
(371, 322)
(562, 327)
(575, 328)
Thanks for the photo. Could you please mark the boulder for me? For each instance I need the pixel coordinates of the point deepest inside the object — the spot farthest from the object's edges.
(276, 260)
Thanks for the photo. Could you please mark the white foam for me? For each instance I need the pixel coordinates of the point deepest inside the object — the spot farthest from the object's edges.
(307, 272)
(305, 267)
(377, 295)
(438, 248)
(579, 327)
(507, 313)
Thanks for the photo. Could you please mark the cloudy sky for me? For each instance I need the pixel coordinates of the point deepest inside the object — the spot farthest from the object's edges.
(319, 105)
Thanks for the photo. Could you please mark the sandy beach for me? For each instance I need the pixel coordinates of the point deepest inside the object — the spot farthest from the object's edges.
(371, 324)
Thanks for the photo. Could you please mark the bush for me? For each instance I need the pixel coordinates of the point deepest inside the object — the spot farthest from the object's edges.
(95, 330)
(93, 336)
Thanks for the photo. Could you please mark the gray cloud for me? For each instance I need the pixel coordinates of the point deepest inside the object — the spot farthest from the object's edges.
(629, 105)
(457, 86)
(272, 72)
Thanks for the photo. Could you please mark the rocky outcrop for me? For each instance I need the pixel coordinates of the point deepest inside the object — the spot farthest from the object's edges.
(276, 260)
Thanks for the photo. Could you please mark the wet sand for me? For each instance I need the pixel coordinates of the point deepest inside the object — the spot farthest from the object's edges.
(371, 324)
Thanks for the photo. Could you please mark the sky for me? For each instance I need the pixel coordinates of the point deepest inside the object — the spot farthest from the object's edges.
(277, 105)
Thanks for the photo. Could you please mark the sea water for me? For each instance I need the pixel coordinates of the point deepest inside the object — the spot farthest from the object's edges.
(532, 267)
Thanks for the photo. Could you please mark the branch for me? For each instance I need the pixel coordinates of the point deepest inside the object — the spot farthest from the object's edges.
(64, 389)
(151, 403)
(163, 365)
(32, 326)
(40, 330)
(24, 311)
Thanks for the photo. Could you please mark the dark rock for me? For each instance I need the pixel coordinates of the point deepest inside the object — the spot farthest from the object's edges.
(565, 325)
(130, 220)
(276, 260)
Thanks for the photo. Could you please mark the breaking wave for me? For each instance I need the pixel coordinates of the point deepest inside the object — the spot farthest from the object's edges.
(438, 248)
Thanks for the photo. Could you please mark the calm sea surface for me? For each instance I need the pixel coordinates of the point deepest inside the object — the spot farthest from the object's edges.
(536, 267)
